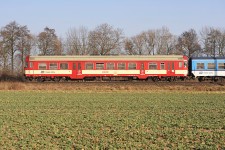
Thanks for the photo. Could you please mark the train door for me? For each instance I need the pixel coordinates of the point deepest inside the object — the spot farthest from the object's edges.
(74, 70)
(142, 68)
(31, 68)
(170, 69)
(79, 70)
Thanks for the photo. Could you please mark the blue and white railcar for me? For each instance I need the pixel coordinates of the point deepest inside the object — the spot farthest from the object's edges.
(207, 67)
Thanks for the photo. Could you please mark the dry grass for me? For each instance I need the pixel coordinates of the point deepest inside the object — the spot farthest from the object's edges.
(111, 87)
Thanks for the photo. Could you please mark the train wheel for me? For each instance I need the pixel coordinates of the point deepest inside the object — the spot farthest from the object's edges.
(215, 79)
(28, 79)
(200, 79)
(173, 79)
(149, 79)
(40, 79)
(63, 79)
(57, 79)
(155, 79)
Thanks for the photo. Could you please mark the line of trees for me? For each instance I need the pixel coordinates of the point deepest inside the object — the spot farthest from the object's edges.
(16, 42)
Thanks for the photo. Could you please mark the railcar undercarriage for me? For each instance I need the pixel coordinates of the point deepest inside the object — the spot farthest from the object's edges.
(106, 79)
(209, 78)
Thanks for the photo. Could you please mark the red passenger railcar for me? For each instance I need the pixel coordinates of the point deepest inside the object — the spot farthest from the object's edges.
(127, 67)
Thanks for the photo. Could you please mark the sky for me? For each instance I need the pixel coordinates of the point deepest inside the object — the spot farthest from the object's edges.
(133, 16)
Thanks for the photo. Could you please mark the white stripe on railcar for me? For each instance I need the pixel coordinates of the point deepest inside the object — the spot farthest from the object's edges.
(48, 71)
(113, 72)
(155, 71)
(184, 72)
(208, 73)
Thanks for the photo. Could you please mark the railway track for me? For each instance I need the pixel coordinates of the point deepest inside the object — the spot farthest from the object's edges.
(136, 83)
(114, 86)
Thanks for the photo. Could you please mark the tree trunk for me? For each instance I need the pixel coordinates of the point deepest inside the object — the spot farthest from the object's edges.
(22, 59)
(12, 61)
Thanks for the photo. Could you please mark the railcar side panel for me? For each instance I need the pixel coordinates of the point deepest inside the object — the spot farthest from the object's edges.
(79, 67)
(208, 67)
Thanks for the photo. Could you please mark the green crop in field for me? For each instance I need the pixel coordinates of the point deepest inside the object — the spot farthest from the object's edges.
(57, 120)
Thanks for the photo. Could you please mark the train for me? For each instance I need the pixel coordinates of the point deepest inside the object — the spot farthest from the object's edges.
(123, 68)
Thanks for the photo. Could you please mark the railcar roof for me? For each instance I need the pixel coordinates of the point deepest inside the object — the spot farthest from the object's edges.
(207, 58)
(101, 58)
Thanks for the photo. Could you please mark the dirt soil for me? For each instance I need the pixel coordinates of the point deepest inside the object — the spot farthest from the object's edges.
(116, 86)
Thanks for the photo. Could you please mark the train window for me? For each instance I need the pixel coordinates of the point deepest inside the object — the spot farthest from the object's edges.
(99, 66)
(200, 66)
(26, 64)
(162, 66)
(42, 66)
(132, 66)
(74, 66)
(31, 64)
(152, 66)
(53, 66)
(172, 65)
(185, 64)
(169, 66)
(180, 64)
(63, 66)
(142, 66)
(211, 66)
(89, 66)
(79, 66)
(121, 66)
(221, 65)
(110, 66)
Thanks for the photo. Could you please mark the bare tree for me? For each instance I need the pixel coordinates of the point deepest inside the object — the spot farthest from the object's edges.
(48, 41)
(162, 38)
(149, 38)
(104, 39)
(24, 45)
(188, 43)
(213, 41)
(129, 46)
(3, 56)
(171, 45)
(138, 42)
(135, 45)
(222, 44)
(12, 36)
(152, 42)
(77, 41)
(58, 47)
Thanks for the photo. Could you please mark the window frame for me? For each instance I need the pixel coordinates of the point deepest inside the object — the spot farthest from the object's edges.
(123, 67)
(185, 64)
(162, 63)
(221, 65)
(61, 68)
(79, 66)
(91, 64)
(109, 66)
(153, 64)
(202, 68)
(42, 66)
(180, 64)
(214, 66)
(99, 66)
(53, 63)
(31, 65)
(74, 66)
(130, 67)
